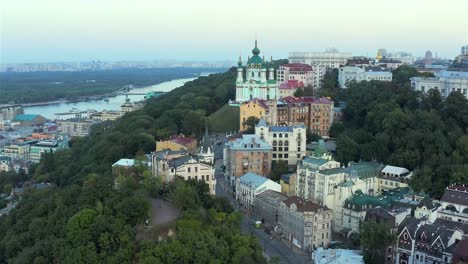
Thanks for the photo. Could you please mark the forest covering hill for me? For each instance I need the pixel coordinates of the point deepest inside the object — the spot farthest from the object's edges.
(391, 123)
(85, 220)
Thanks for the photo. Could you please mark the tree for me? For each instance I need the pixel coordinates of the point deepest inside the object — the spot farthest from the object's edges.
(375, 239)
(250, 123)
(347, 149)
(299, 92)
(312, 137)
(7, 188)
(278, 168)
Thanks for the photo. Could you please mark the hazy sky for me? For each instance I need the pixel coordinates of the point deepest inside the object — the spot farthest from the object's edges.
(65, 30)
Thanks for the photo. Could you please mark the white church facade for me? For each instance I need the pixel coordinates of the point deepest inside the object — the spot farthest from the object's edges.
(259, 81)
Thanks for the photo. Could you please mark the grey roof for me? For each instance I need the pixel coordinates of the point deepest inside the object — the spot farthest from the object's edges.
(411, 224)
(252, 180)
(273, 196)
(262, 122)
(179, 161)
(162, 154)
(286, 177)
(249, 142)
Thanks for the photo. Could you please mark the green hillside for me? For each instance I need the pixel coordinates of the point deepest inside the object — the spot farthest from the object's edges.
(225, 119)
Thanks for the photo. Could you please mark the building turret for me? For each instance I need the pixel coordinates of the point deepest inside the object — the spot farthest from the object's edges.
(263, 74)
(240, 77)
(271, 71)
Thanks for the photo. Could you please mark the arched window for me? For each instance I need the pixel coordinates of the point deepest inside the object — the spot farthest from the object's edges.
(274, 135)
(280, 135)
(286, 143)
(274, 142)
(285, 135)
(280, 143)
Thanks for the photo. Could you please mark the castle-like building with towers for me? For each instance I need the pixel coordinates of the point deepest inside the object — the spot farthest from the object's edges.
(259, 81)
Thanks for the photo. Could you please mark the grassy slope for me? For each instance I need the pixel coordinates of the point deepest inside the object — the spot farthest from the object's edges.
(225, 119)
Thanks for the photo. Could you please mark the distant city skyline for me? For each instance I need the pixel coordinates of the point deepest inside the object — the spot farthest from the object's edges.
(208, 30)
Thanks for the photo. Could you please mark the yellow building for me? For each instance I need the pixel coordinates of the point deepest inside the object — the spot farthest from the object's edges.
(258, 108)
(288, 184)
(167, 144)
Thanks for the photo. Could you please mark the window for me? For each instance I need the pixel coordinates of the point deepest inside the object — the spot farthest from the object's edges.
(274, 155)
(196, 169)
(280, 156)
(285, 156)
(274, 135)
(188, 169)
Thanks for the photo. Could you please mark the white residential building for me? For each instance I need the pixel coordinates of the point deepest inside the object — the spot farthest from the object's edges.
(445, 82)
(190, 167)
(347, 74)
(288, 142)
(454, 204)
(250, 185)
(331, 58)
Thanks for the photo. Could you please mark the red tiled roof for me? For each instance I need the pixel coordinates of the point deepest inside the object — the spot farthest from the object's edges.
(306, 99)
(184, 141)
(298, 67)
(291, 84)
(257, 101)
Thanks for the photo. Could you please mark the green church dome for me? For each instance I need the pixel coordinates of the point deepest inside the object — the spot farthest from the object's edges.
(255, 50)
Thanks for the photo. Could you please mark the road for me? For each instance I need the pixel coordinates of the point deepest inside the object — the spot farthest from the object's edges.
(272, 247)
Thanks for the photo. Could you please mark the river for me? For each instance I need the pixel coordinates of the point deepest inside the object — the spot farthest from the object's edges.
(114, 103)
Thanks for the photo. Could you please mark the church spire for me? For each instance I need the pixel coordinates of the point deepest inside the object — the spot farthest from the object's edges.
(206, 139)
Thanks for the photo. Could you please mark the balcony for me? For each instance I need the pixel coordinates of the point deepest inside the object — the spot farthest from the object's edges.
(449, 212)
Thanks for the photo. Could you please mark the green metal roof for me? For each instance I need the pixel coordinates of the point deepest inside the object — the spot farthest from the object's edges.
(255, 61)
(364, 170)
(315, 161)
(320, 149)
(346, 184)
(333, 171)
(25, 117)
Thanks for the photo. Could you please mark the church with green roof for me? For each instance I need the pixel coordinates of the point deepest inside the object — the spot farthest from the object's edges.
(256, 80)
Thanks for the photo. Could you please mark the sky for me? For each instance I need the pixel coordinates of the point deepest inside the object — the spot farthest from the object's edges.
(114, 30)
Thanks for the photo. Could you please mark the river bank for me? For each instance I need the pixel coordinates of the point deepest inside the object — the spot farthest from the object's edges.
(49, 109)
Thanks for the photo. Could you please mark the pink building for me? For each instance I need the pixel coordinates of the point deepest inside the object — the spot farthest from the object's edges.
(296, 71)
(289, 87)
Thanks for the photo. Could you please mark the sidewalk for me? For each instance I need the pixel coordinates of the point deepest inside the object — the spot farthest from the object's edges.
(292, 247)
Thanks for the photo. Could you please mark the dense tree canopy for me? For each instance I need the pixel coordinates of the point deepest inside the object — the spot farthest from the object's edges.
(391, 123)
(85, 219)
